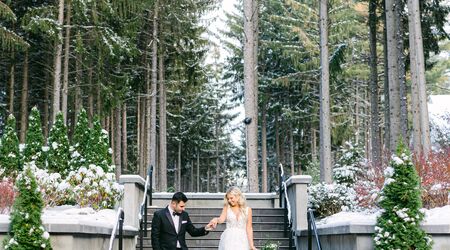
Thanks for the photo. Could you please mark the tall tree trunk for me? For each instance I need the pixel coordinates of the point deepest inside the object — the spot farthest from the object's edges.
(65, 85)
(399, 7)
(117, 140)
(191, 184)
(314, 144)
(325, 127)
(357, 98)
(24, 99)
(46, 108)
(153, 95)
(57, 65)
(12, 75)
(144, 142)
(291, 150)
(217, 135)
(138, 133)
(162, 126)
(264, 147)
(422, 144)
(124, 137)
(90, 104)
(387, 119)
(198, 171)
(251, 91)
(394, 84)
(178, 172)
(373, 62)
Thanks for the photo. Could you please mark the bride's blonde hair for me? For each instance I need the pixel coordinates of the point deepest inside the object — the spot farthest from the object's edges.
(241, 199)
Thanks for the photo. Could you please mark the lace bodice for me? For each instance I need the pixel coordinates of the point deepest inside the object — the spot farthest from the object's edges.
(234, 221)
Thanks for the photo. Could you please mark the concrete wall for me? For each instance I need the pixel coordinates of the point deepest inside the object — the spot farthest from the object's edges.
(84, 242)
(359, 237)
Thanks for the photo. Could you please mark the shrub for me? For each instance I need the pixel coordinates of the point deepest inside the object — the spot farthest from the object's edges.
(9, 149)
(435, 176)
(34, 140)
(58, 143)
(328, 199)
(55, 190)
(26, 230)
(7, 195)
(80, 142)
(349, 166)
(94, 188)
(398, 227)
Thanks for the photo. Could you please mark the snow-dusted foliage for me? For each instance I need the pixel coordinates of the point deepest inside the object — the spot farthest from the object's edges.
(86, 187)
(34, 140)
(398, 227)
(58, 143)
(94, 188)
(328, 199)
(26, 229)
(9, 150)
(349, 165)
(80, 142)
(90, 145)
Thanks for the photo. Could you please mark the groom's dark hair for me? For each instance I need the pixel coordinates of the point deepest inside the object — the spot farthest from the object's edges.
(179, 196)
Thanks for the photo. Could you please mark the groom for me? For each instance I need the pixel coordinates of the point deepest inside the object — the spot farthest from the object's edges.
(169, 225)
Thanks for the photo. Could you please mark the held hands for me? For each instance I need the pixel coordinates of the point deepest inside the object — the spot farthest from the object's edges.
(212, 224)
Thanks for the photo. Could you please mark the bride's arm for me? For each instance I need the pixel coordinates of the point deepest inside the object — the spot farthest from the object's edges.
(223, 216)
(250, 229)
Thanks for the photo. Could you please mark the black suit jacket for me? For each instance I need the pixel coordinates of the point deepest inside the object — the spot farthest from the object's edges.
(164, 236)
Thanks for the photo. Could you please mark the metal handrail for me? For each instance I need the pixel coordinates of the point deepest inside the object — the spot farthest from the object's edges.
(119, 221)
(287, 206)
(312, 228)
(143, 207)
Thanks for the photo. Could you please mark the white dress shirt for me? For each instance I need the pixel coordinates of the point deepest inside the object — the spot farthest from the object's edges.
(176, 223)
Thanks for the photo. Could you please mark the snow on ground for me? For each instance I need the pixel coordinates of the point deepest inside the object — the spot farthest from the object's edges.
(75, 215)
(435, 216)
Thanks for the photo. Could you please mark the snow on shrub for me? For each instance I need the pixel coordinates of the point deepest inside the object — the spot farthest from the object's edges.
(94, 188)
(6, 195)
(398, 227)
(26, 229)
(435, 177)
(349, 165)
(9, 149)
(328, 199)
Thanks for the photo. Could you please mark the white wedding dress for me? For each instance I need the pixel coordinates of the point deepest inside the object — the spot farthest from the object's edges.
(235, 235)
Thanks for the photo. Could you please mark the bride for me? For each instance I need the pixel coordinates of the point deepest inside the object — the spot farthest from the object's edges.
(238, 234)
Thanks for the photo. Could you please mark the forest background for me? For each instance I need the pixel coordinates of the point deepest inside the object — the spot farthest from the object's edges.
(140, 67)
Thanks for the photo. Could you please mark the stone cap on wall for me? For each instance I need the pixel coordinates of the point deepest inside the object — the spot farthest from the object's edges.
(129, 178)
(299, 179)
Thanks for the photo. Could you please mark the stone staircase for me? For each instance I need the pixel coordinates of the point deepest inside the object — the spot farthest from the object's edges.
(268, 226)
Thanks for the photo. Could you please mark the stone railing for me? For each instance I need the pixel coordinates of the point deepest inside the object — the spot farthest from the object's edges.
(297, 189)
(133, 194)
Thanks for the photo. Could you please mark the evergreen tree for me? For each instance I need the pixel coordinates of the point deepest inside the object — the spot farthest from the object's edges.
(58, 143)
(9, 149)
(99, 151)
(26, 229)
(34, 140)
(398, 227)
(349, 165)
(81, 146)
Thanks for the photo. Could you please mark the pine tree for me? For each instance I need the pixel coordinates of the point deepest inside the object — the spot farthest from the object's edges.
(80, 142)
(9, 149)
(349, 165)
(34, 140)
(58, 143)
(99, 151)
(398, 227)
(26, 229)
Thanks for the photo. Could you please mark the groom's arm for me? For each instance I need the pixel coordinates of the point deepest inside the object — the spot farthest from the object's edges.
(156, 231)
(193, 231)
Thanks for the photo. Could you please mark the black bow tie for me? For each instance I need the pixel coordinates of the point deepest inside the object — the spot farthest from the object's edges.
(176, 214)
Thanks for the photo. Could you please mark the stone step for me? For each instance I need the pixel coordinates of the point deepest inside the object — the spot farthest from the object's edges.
(208, 217)
(286, 247)
(216, 211)
(201, 241)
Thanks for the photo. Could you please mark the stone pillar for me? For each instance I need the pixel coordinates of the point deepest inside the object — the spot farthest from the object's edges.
(298, 199)
(132, 199)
